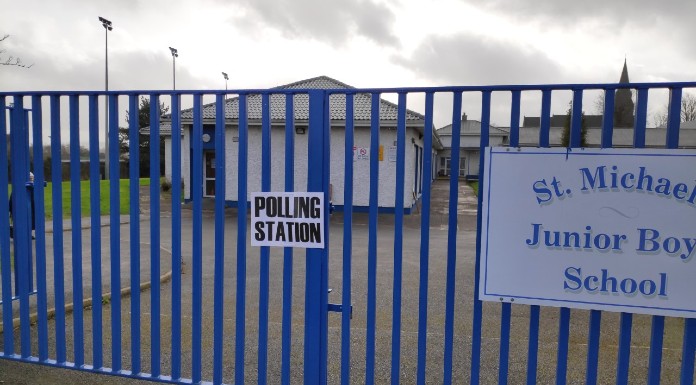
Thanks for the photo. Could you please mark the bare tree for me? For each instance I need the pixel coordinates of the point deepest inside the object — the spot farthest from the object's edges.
(659, 119)
(688, 107)
(686, 114)
(598, 104)
(11, 60)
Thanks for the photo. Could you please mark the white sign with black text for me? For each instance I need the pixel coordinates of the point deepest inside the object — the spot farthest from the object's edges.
(606, 229)
(287, 219)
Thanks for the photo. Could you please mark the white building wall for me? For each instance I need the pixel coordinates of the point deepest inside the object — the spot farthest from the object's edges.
(254, 148)
(361, 168)
(168, 158)
(186, 163)
(361, 171)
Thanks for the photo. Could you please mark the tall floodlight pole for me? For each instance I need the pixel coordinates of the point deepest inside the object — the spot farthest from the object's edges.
(224, 75)
(175, 54)
(107, 27)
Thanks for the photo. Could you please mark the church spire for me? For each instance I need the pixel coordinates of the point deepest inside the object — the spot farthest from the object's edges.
(624, 106)
(624, 73)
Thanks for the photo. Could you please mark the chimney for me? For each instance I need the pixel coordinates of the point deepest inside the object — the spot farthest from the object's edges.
(464, 117)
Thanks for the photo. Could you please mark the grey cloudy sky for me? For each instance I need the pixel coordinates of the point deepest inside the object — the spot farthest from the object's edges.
(364, 43)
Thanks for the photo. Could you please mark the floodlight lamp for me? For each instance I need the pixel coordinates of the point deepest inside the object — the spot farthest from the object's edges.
(106, 23)
(224, 75)
(175, 52)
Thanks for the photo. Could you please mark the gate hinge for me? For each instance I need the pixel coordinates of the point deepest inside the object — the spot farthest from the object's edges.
(338, 308)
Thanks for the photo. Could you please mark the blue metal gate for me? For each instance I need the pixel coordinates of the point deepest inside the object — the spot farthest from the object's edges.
(398, 334)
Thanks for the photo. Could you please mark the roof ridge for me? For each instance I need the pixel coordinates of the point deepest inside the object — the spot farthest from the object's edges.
(320, 77)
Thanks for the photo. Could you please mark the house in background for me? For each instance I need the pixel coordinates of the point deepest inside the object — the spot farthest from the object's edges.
(469, 139)
(414, 153)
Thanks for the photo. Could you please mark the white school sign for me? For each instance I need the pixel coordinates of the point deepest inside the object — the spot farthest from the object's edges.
(607, 229)
(287, 219)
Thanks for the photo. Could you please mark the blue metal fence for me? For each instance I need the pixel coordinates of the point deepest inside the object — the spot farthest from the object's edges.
(179, 337)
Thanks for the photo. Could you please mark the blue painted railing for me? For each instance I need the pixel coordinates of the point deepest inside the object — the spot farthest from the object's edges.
(166, 354)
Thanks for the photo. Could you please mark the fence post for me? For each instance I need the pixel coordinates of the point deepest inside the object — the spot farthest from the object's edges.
(315, 300)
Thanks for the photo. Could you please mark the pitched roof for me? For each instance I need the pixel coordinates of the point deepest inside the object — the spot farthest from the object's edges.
(362, 104)
(470, 127)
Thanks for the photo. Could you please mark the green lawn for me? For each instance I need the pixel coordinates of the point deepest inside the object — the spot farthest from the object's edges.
(474, 185)
(104, 196)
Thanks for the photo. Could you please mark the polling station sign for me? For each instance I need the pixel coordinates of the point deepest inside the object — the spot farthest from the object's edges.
(606, 229)
(287, 219)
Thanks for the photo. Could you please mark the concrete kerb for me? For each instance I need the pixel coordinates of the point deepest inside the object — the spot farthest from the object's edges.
(86, 303)
(126, 291)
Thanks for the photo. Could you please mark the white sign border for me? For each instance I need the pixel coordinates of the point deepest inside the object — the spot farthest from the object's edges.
(555, 302)
(295, 244)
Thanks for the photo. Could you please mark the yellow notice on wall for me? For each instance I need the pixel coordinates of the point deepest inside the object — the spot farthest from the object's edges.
(381, 153)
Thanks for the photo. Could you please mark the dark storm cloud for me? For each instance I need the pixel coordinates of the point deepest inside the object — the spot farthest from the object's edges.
(471, 59)
(331, 21)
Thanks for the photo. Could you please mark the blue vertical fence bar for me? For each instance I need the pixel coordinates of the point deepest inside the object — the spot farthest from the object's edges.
(242, 197)
(58, 258)
(506, 311)
(324, 283)
(95, 230)
(347, 241)
(75, 211)
(452, 236)
(134, 176)
(197, 252)
(593, 346)
(564, 320)
(674, 117)
(265, 250)
(658, 322)
(608, 120)
(115, 234)
(533, 344)
(534, 310)
(372, 241)
(39, 178)
(641, 117)
(576, 120)
(595, 323)
(176, 236)
(398, 238)
(545, 119)
(562, 352)
(689, 339)
(313, 295)
(688, 347)
(425, 242)
(219, 289)
(624, 354)
(287, 252)
(155, 330)
(478, 311)
(19, 146)
(5, 257)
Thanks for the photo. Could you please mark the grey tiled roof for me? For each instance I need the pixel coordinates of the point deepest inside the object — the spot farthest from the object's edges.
(362, 104)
